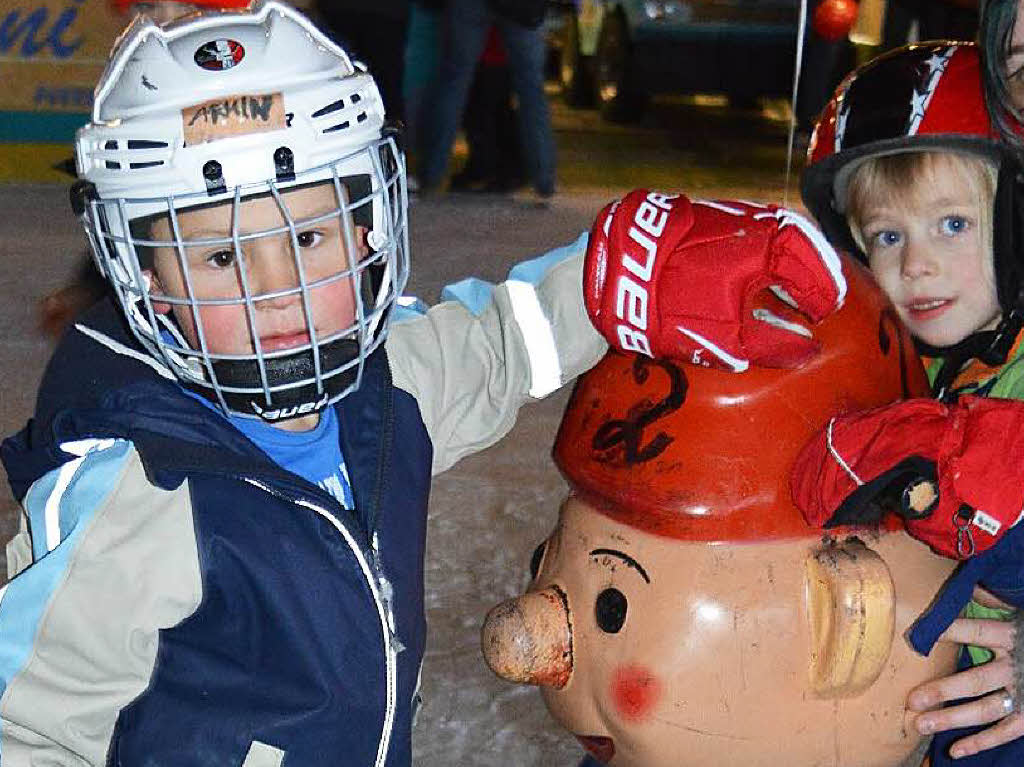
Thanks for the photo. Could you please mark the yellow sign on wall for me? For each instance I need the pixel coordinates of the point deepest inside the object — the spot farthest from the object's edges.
(51, 55)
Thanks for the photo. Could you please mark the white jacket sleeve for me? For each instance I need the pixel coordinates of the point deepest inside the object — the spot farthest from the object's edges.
(113, 561)
(475, 358)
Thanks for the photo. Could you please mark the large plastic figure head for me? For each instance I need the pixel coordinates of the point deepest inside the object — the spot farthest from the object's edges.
(682, 613)
(247, 204)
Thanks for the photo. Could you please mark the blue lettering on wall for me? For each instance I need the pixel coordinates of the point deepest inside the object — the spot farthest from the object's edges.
(34, 32)
(63, 96)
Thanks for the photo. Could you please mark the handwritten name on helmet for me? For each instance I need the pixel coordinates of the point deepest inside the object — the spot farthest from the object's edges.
(632, 295)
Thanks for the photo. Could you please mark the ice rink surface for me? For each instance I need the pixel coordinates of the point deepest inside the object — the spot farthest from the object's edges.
(486, 514)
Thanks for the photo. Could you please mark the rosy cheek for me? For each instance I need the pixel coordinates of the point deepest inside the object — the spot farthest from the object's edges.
(226, 329)
(635, 691)
(334, 305)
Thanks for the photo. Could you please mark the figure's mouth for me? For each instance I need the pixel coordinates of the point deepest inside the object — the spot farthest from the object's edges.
(598, 746)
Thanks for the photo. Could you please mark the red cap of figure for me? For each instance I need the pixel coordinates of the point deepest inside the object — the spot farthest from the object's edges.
(700, 454)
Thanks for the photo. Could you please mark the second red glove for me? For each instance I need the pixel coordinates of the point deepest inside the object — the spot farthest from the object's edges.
(972, 453)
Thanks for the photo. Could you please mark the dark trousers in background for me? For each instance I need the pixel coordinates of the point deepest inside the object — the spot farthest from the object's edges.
(377, 40)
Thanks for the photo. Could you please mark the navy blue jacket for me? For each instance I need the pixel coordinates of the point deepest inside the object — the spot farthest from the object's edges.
(288, 645)
(179, 599)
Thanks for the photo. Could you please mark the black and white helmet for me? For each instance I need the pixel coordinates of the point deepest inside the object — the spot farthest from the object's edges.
(222, 108)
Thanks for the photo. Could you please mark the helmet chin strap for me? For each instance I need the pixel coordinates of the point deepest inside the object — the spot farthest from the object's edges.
(991, 347)
(340, 356)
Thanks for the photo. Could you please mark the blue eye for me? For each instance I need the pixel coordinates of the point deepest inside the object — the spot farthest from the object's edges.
(886, 238)
(952, 225)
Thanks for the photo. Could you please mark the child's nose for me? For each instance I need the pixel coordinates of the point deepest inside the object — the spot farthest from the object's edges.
(274, 270)
(917, 260)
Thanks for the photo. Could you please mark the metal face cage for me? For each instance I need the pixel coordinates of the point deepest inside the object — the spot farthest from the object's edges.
(198, 298)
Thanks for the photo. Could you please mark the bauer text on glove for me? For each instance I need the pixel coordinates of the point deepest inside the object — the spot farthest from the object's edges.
(669, 277)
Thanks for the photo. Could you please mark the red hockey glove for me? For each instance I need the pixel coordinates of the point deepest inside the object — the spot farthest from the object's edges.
(957, 471)
(668, 277)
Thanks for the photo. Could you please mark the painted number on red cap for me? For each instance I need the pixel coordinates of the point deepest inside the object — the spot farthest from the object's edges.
(219, 55)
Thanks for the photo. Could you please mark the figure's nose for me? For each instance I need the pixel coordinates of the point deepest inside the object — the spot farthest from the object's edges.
(529, 639)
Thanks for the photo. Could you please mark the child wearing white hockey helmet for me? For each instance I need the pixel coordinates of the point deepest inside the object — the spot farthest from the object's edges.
(907, 171)
(225, 481)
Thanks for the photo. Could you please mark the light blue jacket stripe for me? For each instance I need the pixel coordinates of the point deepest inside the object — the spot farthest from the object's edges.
(472, 293)
(477, 294)
(536, 269)
(35, 509)
(26, 598)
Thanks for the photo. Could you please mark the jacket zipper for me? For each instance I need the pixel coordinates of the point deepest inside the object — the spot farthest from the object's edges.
(370, 573)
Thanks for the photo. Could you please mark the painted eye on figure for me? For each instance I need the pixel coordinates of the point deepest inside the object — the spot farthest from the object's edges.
(610, 610)
(537, 558)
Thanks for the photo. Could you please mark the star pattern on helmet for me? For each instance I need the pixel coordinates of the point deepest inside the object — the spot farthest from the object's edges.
(933, 68)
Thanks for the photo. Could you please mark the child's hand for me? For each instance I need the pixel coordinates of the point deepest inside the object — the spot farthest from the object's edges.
(994, 684)
(955, 468)
(668, 277)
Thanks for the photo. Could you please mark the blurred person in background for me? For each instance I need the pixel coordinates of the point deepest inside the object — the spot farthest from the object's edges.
(494, 163)
(163, 11)
(465, 36)
(360, 26)
(935, 20)
(422, 65)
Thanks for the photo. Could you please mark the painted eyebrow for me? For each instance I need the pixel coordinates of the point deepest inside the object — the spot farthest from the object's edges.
(625, 558)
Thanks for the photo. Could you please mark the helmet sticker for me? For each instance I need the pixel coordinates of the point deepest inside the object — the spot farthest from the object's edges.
(233, 116)
(219, 55)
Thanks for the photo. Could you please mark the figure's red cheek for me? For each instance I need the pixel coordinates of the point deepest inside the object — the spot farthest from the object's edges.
(635, 692)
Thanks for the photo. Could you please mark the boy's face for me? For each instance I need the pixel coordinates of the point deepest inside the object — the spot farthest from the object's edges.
(270, 268)
(930, 256)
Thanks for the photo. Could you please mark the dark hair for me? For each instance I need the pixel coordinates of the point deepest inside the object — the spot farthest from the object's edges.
(996, 29)
(142, 229)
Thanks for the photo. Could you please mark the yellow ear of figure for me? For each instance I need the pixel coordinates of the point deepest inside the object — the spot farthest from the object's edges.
(851, 601)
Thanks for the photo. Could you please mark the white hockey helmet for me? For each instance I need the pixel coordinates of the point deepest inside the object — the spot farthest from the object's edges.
(216, 109)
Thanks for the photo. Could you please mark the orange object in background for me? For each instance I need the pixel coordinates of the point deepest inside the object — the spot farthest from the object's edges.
(682, 613)
(833, 19)
(125, 6)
